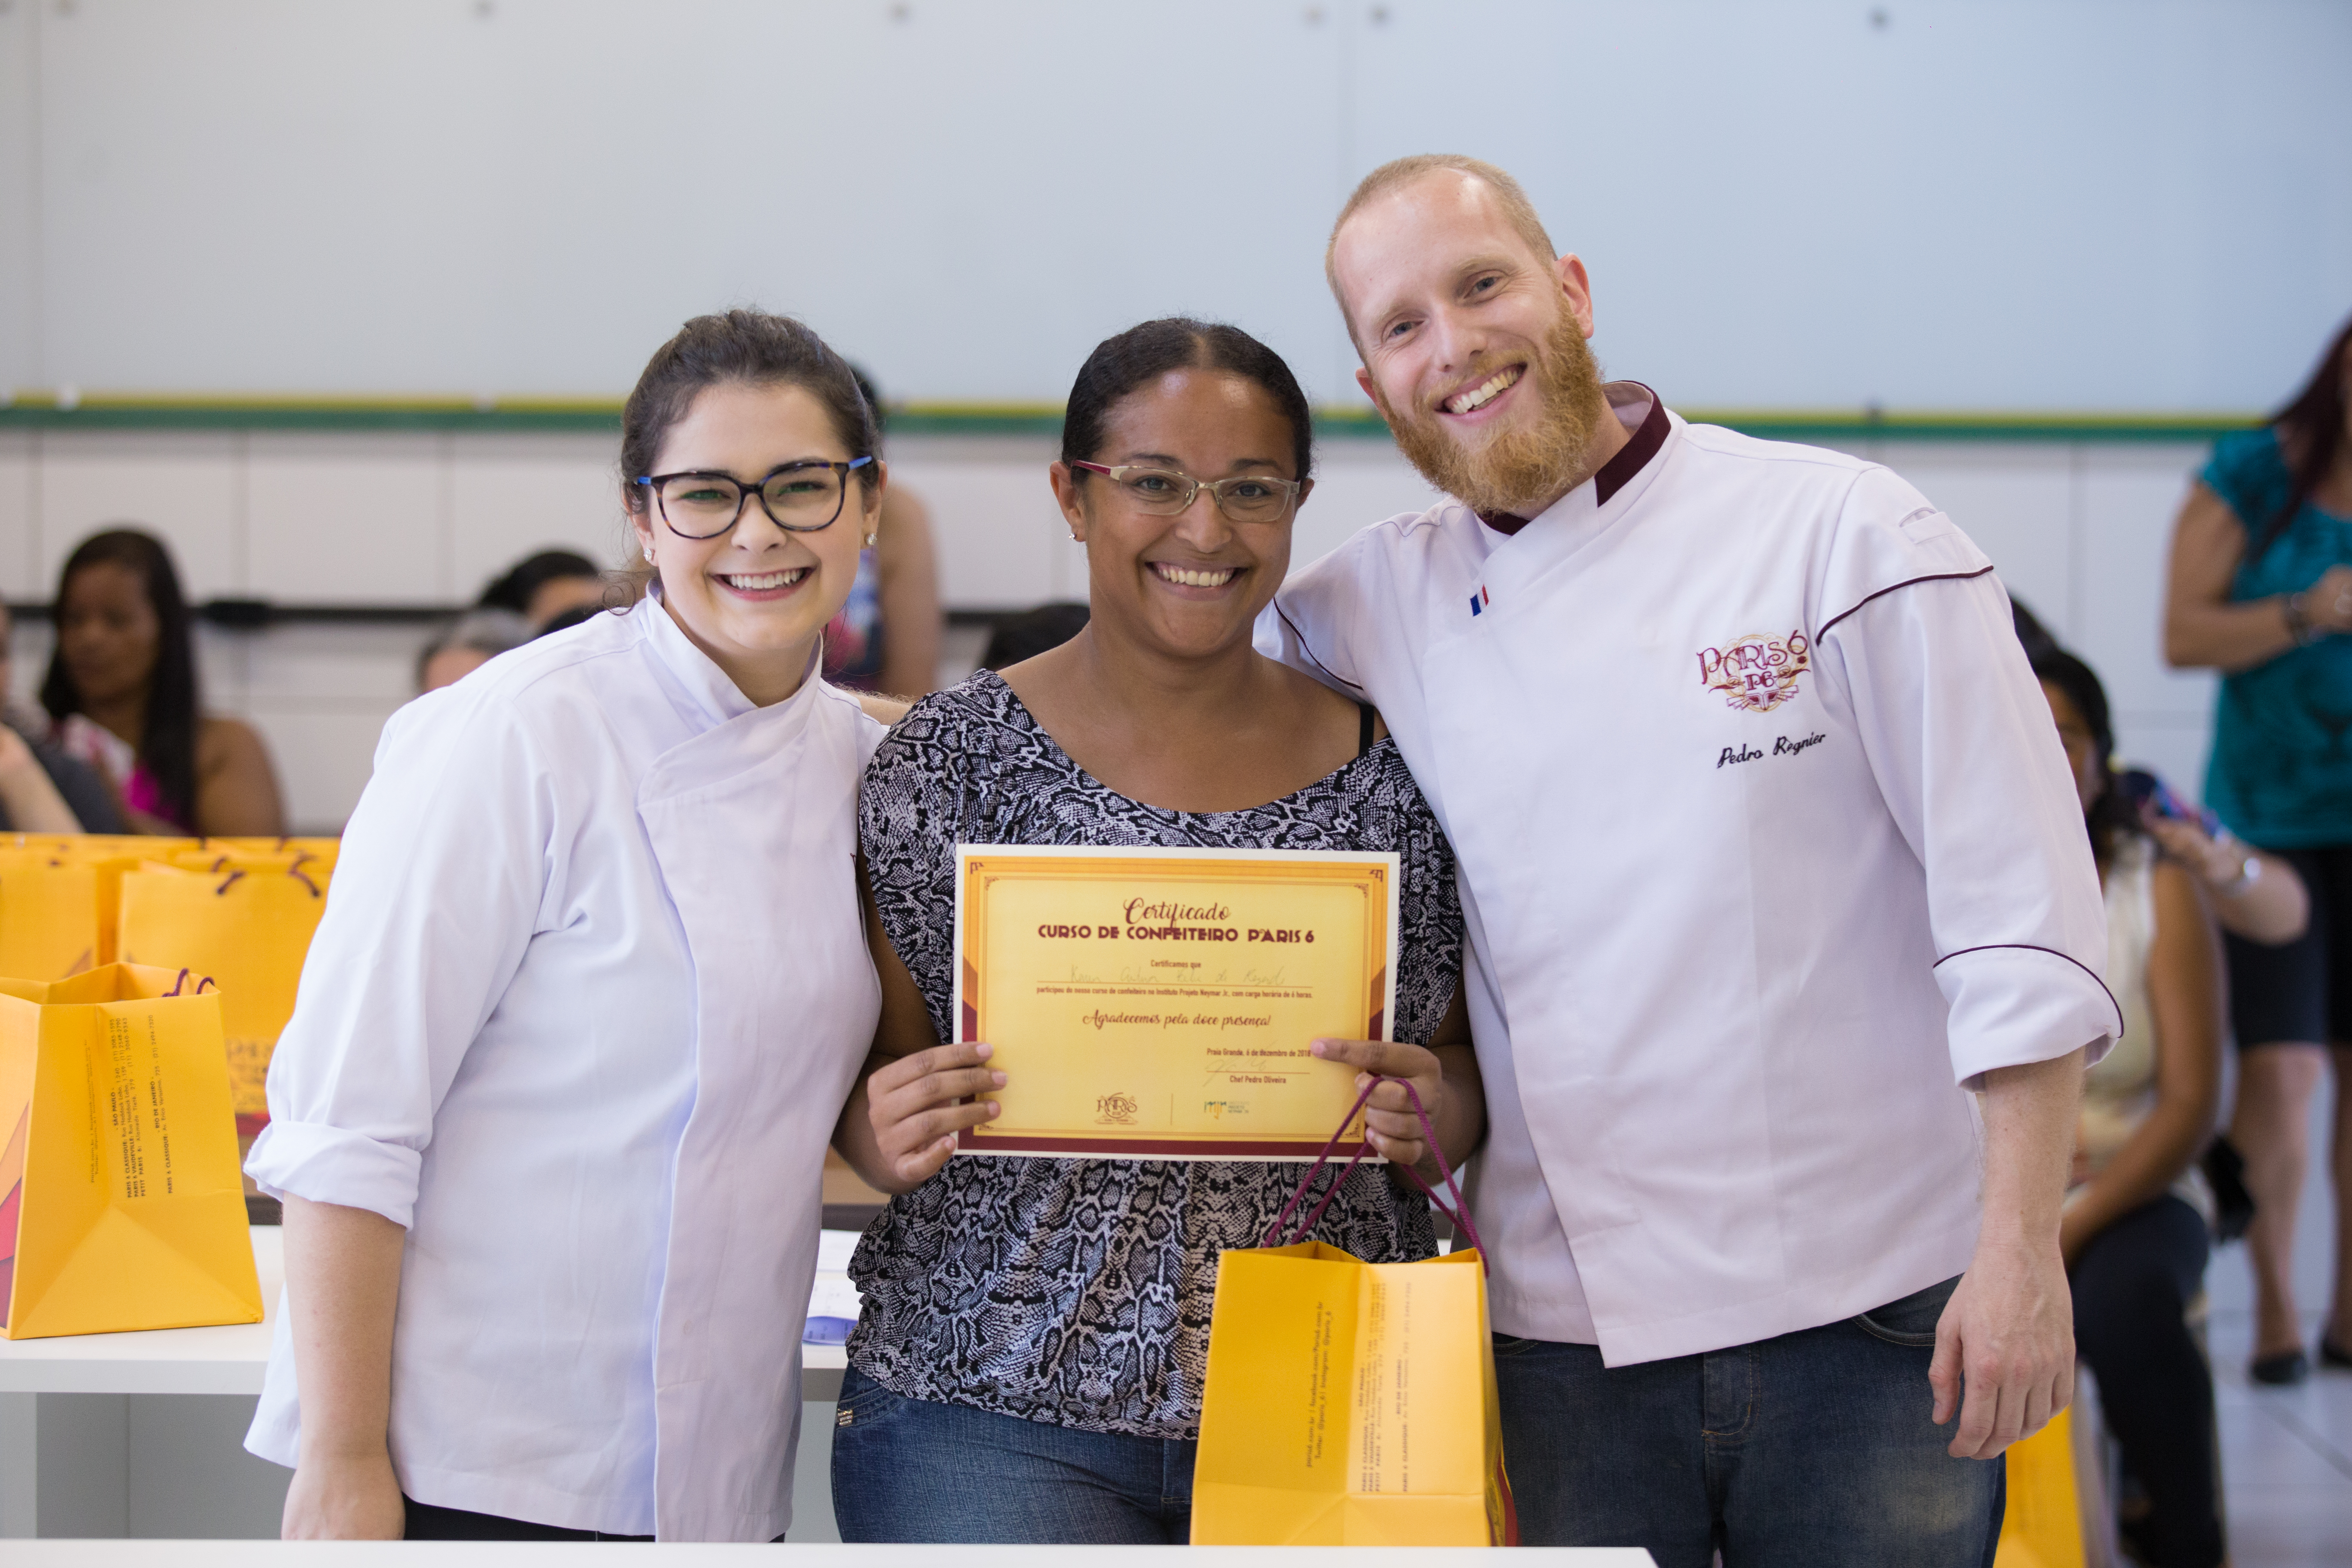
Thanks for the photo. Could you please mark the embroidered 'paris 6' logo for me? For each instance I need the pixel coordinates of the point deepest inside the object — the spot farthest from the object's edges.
(1757, 673)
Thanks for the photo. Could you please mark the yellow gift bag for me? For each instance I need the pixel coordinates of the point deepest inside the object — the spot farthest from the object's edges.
(250, 929)
(50, 919)
(2047, 1522)
(1351, 1404)
(120, 1203)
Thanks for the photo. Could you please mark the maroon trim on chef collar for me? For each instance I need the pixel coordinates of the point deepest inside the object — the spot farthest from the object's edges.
(1630, 459)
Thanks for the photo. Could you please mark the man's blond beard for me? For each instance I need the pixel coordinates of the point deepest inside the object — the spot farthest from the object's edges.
(1516, 469)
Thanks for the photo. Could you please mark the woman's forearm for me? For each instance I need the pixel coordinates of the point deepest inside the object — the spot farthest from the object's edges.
(2276, 909)
(343, 1286)
(2228, 637)
(2142, 1170)
(32, 803)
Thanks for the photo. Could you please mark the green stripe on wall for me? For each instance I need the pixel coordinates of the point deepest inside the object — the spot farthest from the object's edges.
(602, 416)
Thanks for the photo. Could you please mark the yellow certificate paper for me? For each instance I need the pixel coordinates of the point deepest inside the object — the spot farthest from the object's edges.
(1157, 1004)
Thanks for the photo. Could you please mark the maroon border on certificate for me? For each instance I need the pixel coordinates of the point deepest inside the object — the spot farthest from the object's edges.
(973, 1141)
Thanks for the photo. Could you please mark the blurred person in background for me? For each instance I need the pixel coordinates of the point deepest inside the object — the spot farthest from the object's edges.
(2256, 895)
(887, 638)
(122, 696)
(2134, 1234)
(42, 790)
(467, 643)
(2261, 589)
(543, 587)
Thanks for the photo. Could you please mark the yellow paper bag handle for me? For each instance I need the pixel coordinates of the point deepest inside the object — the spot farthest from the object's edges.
(1459, 1213)
(208, 980)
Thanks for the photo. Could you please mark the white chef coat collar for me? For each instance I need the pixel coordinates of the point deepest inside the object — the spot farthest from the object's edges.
(695, 676)
(1646, 422)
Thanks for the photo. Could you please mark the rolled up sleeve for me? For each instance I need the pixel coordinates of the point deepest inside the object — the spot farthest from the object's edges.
(1960, 740)
(439, 886)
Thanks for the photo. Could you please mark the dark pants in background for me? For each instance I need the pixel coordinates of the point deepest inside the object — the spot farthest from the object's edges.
(2132, 1285)
(1811, 1451)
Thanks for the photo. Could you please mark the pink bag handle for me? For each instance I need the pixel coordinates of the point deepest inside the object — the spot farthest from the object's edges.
(1459, 1213)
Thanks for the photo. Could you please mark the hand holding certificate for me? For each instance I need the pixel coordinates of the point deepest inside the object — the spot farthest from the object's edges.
(1161, 1003)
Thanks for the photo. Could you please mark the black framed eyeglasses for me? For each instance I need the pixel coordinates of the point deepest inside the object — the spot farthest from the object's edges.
(1165, 492)
(800, 498)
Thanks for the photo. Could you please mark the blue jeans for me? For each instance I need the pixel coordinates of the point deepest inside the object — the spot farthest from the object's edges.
(1811, 1451)
(915, 1469)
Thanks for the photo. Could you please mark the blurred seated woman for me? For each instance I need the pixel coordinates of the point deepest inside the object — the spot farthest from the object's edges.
(2134, 1234)
(1038, 1328)
(42, 790)
(122, 696)
(467, 644)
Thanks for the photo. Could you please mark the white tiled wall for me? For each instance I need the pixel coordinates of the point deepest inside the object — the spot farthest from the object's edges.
(2077, 531)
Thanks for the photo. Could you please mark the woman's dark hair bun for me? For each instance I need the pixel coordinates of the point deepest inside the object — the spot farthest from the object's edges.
(1140, 355)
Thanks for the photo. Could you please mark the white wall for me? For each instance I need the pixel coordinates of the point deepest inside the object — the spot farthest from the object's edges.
(2077, 530)
(1928, 204)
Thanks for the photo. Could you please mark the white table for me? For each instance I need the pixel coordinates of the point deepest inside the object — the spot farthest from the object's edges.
(180, 1454)
(494, 1554)
(229, 1360)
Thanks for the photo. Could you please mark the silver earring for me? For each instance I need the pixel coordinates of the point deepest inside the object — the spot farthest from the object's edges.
(870, 541)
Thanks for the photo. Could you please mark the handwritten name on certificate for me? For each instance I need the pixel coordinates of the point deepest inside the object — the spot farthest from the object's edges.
(1157, 1004)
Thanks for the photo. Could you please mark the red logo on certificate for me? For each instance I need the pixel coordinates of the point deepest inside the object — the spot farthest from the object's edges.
(1756, 673)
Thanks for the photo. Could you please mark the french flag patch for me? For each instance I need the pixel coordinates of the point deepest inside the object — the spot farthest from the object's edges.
(1479, 601)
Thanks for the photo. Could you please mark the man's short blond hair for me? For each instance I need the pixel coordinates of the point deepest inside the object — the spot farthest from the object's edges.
(1401, 172)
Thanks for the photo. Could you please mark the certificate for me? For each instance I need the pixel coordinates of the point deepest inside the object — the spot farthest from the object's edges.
(1157, 1004)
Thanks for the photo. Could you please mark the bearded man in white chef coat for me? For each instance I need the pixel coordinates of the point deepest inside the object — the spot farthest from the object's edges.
(1768, 854)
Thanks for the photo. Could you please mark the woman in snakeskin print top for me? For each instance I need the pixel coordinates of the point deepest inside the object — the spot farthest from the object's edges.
(1029, 1360)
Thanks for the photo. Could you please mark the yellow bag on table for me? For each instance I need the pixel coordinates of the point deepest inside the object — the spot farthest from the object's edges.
(1350, 1404)
(249, 927)
(312, 856)
(61, 919)
(51, 923)
(120, 1201)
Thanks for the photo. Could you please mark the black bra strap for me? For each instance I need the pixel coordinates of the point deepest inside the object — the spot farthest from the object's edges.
(1364, 728)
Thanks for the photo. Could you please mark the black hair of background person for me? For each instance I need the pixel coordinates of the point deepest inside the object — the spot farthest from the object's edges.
(167, 743)
(1143, 353)
(749, 348)
(872, 396)
(532, 573)
(2035, 636)
(1033, 632)
(2110, 817)
(2311, 433)
(567, 619)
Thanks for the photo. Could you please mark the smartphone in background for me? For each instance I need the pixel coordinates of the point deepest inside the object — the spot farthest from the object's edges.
(2143, 788)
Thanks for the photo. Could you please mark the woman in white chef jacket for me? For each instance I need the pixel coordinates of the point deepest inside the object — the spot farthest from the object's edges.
(591, 989)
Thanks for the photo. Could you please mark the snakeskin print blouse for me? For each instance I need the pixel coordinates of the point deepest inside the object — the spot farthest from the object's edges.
(1076, 1292)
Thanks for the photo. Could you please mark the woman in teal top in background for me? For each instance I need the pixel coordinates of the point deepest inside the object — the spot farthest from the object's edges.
(2261, 591)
